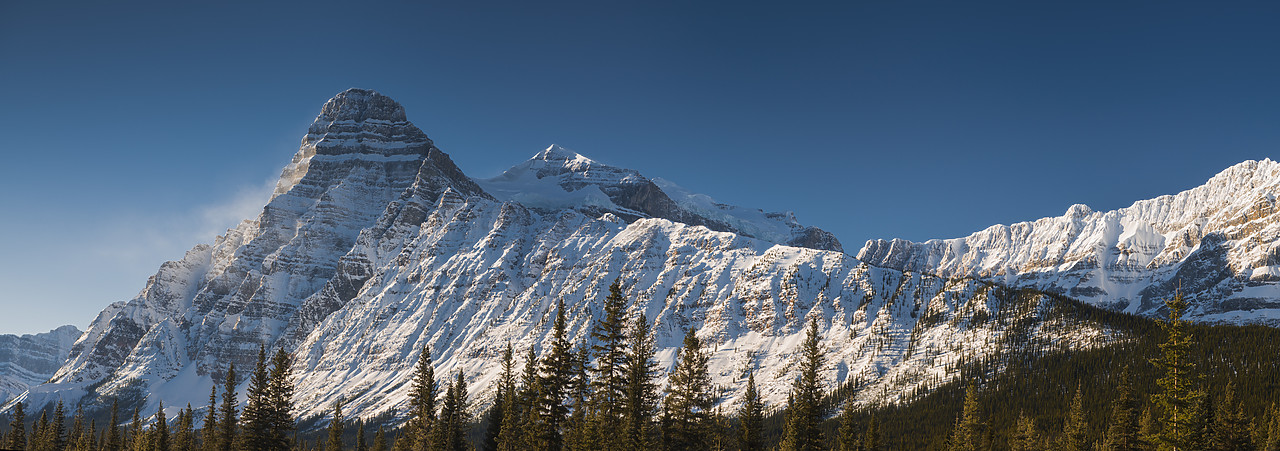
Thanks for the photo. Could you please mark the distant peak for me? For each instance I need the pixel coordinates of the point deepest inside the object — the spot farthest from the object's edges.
(1078, 211)
(556, 152)
(360, 105)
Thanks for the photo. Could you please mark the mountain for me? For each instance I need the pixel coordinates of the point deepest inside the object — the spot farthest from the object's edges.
(375, 244)
(27, 360)
(1218, 242)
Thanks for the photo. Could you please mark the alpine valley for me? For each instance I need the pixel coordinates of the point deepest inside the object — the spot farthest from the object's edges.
(375, 244)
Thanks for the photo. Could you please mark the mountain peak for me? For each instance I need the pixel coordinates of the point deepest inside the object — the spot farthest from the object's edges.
(359, 105)
(556, 152)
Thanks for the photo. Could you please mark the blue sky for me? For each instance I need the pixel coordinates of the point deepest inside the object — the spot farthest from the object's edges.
(132, 130)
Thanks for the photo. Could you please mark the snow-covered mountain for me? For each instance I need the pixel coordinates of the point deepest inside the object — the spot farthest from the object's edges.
(375, 244)
(1218, 241)
(27, 360)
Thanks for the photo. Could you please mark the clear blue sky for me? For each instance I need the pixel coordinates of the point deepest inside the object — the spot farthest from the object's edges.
(131, 131)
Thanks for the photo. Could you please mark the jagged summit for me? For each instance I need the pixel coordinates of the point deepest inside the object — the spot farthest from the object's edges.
(359, 105)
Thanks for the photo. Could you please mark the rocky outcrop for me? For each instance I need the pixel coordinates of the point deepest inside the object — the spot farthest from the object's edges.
(27, 360)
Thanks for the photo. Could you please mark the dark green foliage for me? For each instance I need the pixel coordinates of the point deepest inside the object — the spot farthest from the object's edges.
(1122, 432)
(609, 385)
(422, 402)
(279, 405)
(159, 432)
(686, 418)
(1178, 399)
(379, 440)
(805, 411)
(227, 425)
(451, 428)
(968, 433)
(871, 440)
(114, 441)
(847, 437)
(751, 417)
(17, 438)
(361, 445)
(334, 443)
(1026, 436)
(580, 427)
(184, 438)
(210, 433)
(1231, 429)
(641, 401)
(554, 381)
(1075, 433)
(515, 412)
(256, 418)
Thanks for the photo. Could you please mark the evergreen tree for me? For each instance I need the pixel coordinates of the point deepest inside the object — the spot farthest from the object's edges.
(227, 431)
(687, 410)
(57, 434)
(1271, 433)
(422, 402)
(580, 434)
(1025, 437)
(530, 419)
(847, 435)
(969, 427)
(137, 437)
(751, 417)
(77, 429)
(502, 401)
(1148, 426)
(641, 371)
(1075, 431)
(1178, 396)
(513, 411)
(360, 443)
(451, 428)
(255, 420)
(184, 439)
(280, 389)
(803, 432)
(1122, 433)
(85, 441)
(609, 387)
(871, 440)
(209, 435)
(1231, 428)
(554, 381)
(160, 431)
(39, 432)
(113, 442)
(379, 440)
(335, 429)
(17, 438)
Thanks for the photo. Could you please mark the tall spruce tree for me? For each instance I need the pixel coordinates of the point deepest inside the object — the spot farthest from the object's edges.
(581, 426)
(530, 420)
(687, 420)
(1026, 437)
(554, 379)
(1231, 429)
(501, 401)
(641, 371)
(137, 440)
(379, 440)
(803, 431)
(227, 431)
(451, 428)
(280, 389)
(256, 417)
(114, 441)
(77, 429)
(159, 432)
(209, 436)
(17, 438)
(871, 439)
(751, 417)
(514, 411)
(847, 434)
(1122, 432)
(334, 443)
(1178, 396)
(184, 438)
(1075, 432)
(57, 435)
(361, 445)
(609, 386)
(968, 432)
(422, 402)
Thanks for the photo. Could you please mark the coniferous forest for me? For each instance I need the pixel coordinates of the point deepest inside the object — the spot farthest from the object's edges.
(1167, 385)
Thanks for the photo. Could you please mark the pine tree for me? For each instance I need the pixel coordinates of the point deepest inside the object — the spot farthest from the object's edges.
(360, 442)
(751, 417)
(256, 417)
(687, 411)
(579, 435)
(85, 441)
(17, 428)
(1178, 397)
(57, 434)
(422, 401)
(847, 435)
(335, 429)
(280, 421)
(1075, 431)
(1231, 428)
(113, 442)
(209, 435)
(184, 439)
(641, 371)
(554, 380)
(159, 432)
(227, 432)
(610, 383)
(39, 433)
(77, 429)
(502, 401)
(379, 440)
(969, 427)
(1122, 433)
(530, 419)
(871, 440)
(514, 411)
(803, 432)
(1025, 437)
(451, 432)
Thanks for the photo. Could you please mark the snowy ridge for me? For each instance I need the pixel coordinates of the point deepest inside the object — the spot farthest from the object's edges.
(1219, 240)
(27, 360)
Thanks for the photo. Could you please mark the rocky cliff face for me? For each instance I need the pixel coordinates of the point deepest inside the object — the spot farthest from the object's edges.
(27, 360)
(375, 244)
(1217, 241)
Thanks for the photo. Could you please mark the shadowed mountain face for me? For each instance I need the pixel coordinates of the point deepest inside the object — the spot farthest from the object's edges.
(27, 360)
(375, 244)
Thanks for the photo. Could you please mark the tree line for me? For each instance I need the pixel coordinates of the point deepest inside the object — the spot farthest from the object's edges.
(605, 396)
